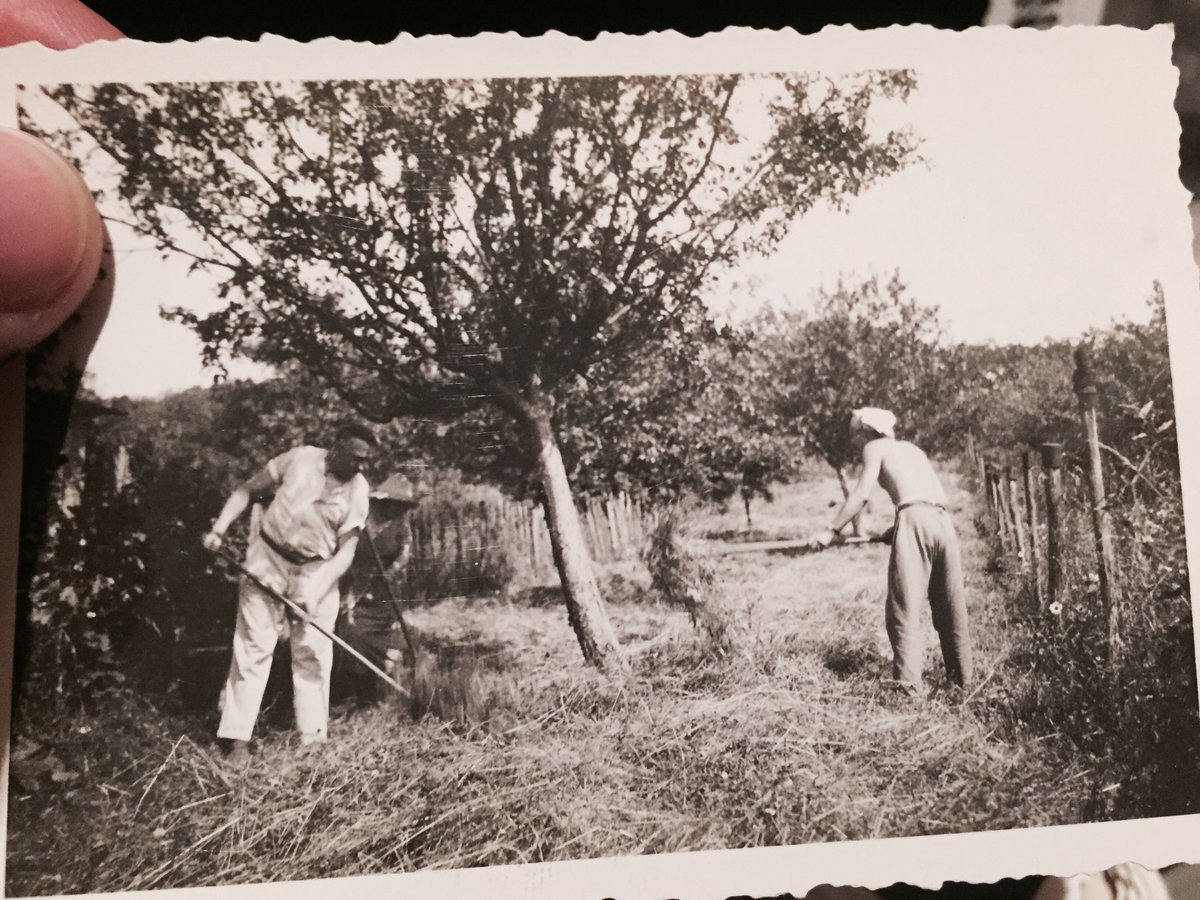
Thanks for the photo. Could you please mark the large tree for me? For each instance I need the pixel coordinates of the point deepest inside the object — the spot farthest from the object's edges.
(430, 246)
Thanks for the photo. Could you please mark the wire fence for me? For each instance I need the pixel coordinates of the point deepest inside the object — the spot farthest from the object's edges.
(1035, 507)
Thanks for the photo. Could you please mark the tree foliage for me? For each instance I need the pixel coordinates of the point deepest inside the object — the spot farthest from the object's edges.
(866, 344)
(698, 419)
(428, 247)
(415, 242)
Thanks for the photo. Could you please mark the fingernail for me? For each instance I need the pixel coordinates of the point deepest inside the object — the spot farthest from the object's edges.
(50, 236)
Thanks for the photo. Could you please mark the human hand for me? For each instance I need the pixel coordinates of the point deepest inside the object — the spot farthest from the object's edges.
(54, 259)
(308, 598)
(213, 541)
(821, 539)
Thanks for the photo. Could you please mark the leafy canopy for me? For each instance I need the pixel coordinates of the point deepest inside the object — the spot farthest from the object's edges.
(867, 344)
(426, 245)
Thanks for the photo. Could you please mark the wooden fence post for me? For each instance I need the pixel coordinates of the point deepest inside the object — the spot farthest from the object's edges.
(1035, 565)
(1085, 390)
(1052, 464)
(614, 530)
(593, 530)
(999, 508)
(531, 529)
(1018, 523)
(459, 549)
(989, 492)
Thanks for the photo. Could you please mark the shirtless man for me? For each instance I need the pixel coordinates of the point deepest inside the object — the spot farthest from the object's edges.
(925, 559)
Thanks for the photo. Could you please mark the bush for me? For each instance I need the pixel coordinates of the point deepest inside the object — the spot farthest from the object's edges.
(92, 610)
(1136, 718)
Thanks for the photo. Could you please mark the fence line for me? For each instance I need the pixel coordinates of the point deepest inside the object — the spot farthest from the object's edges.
(1014, 513)
(490, 544)
(1028, 466)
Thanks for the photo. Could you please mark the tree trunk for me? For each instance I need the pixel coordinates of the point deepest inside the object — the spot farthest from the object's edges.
(585, 606)
(746, 502)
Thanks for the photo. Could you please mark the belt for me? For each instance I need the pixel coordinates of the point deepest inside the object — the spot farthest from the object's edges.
(906, 504)
(289, 555)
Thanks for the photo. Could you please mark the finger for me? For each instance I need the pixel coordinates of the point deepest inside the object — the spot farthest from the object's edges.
(51, 241)
(59, 24)
(28, 310)
(56, 362)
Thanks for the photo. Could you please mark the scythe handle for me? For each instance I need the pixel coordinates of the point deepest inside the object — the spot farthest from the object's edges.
(307, 620)
(387, 588)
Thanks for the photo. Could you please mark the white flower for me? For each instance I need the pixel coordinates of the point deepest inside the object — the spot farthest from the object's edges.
(1055, 608)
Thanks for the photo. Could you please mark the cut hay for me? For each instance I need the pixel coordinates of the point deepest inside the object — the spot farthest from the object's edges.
(452, 690)
(703, 755)
(684, 579)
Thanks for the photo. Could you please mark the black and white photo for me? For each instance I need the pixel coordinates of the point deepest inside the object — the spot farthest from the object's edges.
(532, 459)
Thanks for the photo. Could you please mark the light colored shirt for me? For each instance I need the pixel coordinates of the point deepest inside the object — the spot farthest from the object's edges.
(311, 513)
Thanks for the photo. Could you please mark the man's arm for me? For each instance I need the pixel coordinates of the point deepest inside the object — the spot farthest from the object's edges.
(236, 505)
(331, 571)
(853, 505)
(867, 480)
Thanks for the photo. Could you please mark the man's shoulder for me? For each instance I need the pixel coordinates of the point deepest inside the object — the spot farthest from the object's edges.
(886, 448)
(300, 456)
(878, 446)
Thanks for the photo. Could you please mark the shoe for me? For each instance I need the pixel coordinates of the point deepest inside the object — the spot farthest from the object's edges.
(311, 740)
(237, 753)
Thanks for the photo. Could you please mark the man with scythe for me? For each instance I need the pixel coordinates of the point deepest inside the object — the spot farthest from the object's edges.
(305, 544)
(925, 563)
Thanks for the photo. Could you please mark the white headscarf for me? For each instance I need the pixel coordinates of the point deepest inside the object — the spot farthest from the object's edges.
(874, 419)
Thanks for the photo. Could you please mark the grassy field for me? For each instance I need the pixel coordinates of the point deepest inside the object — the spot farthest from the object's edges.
(797, 739)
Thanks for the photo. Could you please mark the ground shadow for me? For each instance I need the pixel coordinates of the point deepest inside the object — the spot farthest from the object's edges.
(847, 660)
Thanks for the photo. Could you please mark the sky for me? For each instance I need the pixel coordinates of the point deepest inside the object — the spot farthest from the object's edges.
(1043, 207)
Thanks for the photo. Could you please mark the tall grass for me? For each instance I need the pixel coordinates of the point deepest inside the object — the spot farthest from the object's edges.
(1133, 717)
(701, 754)
(519, 753)
(796, 740)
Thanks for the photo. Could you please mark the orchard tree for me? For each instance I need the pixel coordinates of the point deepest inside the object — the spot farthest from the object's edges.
(696, 415)
(426, 247)
(865, 344)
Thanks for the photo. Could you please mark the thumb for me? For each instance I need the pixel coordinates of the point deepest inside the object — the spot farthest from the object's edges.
(51, 242)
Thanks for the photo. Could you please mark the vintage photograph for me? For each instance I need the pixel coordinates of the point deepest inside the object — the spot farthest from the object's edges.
(492, 470)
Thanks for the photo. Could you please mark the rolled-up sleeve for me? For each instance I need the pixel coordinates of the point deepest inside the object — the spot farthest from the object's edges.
(277, 467)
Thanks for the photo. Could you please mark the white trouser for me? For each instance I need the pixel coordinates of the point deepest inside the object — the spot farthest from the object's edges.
(260, 622)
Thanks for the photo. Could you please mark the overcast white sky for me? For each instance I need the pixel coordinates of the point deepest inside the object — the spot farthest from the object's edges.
(1046, 206)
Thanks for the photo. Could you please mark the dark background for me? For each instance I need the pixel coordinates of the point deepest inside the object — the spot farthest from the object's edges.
(155, 20)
